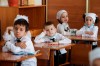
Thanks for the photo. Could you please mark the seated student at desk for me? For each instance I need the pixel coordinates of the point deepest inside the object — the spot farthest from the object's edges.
(89, 29)
(63, 27)
(21, 42)
(50, 35)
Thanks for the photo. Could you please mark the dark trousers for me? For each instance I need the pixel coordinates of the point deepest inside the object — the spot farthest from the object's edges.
(90, 42)
(18, 64)
(59, 58)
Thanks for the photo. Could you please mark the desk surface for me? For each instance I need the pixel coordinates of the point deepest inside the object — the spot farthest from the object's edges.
(15, 58)
(53, 46)
(83, 38)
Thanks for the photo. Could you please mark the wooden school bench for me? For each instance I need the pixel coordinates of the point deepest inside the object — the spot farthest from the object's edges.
(43, 60)
(35, 32)
(52, 49)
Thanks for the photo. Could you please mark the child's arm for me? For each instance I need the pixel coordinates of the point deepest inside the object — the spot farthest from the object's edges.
(80, 32)
(64, 39)
(89, 32)
(22, 45)
(26, 45)
(6, 35)
(11, 47)
(95, 32)
(39, 38)
(92, 33)
(4, 49)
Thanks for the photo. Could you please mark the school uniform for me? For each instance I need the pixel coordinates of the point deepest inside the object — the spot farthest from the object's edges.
(10, 46)
(63, 29)
(10, 36)
(56, 38)
(92, 28)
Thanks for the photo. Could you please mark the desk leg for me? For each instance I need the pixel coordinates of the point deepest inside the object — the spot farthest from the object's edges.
(51, 58)
(7, 63)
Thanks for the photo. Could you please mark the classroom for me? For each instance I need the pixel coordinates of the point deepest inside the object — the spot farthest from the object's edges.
(49, 33)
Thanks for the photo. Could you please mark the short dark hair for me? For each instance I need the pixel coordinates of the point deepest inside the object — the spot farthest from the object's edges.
(48, 23)
(22, 22)
(96, 21)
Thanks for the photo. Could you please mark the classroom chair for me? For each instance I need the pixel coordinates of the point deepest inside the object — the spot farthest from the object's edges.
(43, 60)
(35, 32)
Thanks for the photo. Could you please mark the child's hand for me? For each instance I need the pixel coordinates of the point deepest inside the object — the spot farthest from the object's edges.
(44, 31)
(8, 29)
(86, 32)
(89, 32)
(53, 43)
(21, 45)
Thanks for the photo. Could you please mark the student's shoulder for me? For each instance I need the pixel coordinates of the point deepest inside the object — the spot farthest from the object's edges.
(96, 27)
(59, 25)
(26, 38)
(58, 34)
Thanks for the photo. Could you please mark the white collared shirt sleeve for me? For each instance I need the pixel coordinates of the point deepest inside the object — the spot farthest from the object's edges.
(5, 49)
(63, 39)
(28, 34)
(40, 38)
(11, 47)
(95, 31)
(8, 36)
(29, 45)
(81, 31)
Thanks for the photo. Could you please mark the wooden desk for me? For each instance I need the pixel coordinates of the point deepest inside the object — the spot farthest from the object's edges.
(53, 47)
(7, 59)
(83, 38)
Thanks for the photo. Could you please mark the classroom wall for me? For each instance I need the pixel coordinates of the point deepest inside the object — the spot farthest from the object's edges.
(7, 15)
(95, 7)
(75, 10)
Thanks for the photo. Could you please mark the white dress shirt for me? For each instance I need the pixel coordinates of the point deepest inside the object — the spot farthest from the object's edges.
(63, 29)
(94, 29)
(58, 38)
(10, 46)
